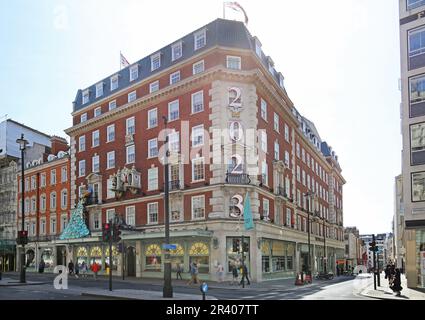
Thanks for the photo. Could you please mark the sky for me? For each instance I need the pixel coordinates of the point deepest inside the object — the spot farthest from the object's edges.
(340, 60)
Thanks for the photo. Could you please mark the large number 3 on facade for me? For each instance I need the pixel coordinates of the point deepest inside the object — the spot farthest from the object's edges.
(238, 205)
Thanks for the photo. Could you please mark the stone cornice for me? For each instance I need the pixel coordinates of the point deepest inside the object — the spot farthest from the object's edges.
(45, 165)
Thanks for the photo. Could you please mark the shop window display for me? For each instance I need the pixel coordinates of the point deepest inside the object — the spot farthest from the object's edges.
(115, 256)
(200, 254)
(82, 255)
(278, 256)
(177, 257)
(96, 256)
(234, 257)
(265, 255)
(153, 258)
(47, 257)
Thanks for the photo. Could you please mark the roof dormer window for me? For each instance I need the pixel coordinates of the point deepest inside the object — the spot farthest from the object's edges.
(271, 65)
(86, 96)
(176, 51)
(134, 72)
(99, 89)
(257, 46)
(114, 82)
(281, 81)
(200, 39)
(155, 61)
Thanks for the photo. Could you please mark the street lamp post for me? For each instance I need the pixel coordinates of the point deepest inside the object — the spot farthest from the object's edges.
(168, 289)
(22, 146)
(324, 245)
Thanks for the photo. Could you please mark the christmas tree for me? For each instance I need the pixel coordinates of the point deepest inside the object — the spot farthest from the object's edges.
(76, 227)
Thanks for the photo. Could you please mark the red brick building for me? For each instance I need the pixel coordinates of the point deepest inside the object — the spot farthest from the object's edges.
(47, 204)
(233, 130)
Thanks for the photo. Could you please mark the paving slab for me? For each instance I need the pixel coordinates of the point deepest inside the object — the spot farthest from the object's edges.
(128, 294)
(7, 282)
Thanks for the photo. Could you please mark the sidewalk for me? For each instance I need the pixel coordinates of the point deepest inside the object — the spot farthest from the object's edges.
(385, 293)
(129, 294)
(8, 282)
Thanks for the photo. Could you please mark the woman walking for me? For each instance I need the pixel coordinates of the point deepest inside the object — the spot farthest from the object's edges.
(396, 284)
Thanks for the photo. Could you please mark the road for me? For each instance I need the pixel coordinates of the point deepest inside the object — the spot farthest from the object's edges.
(341, 288)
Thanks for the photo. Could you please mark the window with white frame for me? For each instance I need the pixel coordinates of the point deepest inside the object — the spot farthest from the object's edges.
(153, 179)
(83, 117)
(52, 200)
(64, 199)
(288, 217)
(153, 148)
(152, 118)
(97, 112)
(64, 174)
(174, 142)
(109, 193)
(198, 67)
(27, 183)
(198, 207)
(276, 122)
(413, 4)
(156, 61)
(200, 39)
(276, 150)
(52, 225)
(233, 62)
(298, 149)
(308, 160)
(308, 181)
(131, 96)
(266, 209)
(86, 94)
(64, 222)
(303, 155)
(81, 168)
(110, 160)
(265, 173)
(198, 102)
(154, 86)
(287, 160)
(286, 132)
(95, 164)
(27, 205)
(33, 204)
(174, 77)
(53, 177)
(153, 213)
(114, 82)
(82, 143)
(110, 214)
(42, 226)
(173, 110)
(416, 42)
(198, 136)
(42, 180)
(176, 51)
(264, 141)
(33, 183)
(130, 215)
(198, 170)
(303, 177)
(130, 126)
(43, 202)
(96, 221)
(112, 105)
(95, 138)
(298, 174)
(134, 72)
(99, 89)
(264, 109)
(131, 154)
(81, 191)
(110, 133)
(287, 186)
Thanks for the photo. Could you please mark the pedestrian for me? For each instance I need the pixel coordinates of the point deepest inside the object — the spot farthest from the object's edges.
(396, 284)
(388, 274)
(179, 271)
(245, 274)
(83, 269)
(234, 275)
(71, 267)
(41, 266)
(193, 274)
(77, 270)
(220, 272)
(95, 268)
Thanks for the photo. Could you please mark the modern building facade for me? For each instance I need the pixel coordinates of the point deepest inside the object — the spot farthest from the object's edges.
(233, 133)
(47, 204)
(353, 247)
(399, 225)
(412, 32)
(11, 130)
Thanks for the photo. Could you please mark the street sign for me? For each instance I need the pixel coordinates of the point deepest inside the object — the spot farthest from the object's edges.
(169, 246)
(204, 287)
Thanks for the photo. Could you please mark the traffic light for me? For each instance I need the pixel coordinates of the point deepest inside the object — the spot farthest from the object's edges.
(373, 247)
(245, 247)
(236, 245)
(106, 232)
(23, 237)
(117, 233)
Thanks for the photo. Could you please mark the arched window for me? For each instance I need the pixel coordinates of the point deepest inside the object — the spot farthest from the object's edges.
(153, 257)
(53, 200)
(199, 254)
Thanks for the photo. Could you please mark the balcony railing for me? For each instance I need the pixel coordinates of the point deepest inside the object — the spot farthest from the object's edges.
(93, 200)
(174, 185)
(234, 178)
(281, 192)
(43, 238)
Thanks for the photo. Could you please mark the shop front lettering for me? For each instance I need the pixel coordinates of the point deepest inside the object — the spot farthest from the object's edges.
(194, 311)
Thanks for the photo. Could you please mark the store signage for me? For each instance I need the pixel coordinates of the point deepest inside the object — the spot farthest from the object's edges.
(169, 246)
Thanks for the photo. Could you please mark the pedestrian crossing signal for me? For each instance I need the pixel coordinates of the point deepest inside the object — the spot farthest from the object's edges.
(106, 232)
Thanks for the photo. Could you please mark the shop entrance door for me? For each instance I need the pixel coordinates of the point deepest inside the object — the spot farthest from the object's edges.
(131, 261)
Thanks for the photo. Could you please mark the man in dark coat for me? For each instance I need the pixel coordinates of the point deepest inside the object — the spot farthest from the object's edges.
(396, 284)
